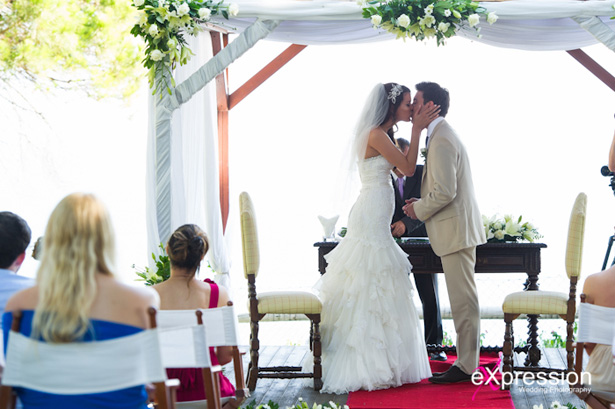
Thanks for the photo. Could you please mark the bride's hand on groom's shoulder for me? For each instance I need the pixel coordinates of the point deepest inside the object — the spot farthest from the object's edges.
(424, 114)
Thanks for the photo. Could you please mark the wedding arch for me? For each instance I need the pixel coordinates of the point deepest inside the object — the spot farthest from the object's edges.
(187, 158)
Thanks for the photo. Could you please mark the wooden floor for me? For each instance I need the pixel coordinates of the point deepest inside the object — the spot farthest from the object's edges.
(286, 392)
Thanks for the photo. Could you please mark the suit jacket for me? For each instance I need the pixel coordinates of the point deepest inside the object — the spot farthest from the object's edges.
(412, 188)
(448, 205)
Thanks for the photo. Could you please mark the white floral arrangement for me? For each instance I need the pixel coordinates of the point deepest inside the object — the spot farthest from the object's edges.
(423, 19)
(509, 229)
(163, 23)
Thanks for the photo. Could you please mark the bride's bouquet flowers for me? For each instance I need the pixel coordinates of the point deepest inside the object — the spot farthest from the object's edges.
(509, 229)
(423, 19)
(163, 24)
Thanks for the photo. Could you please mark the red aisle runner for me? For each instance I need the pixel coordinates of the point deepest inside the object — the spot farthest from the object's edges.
(424, 394)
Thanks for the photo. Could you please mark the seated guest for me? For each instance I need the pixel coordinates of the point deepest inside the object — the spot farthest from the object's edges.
(14, 239)
(77, 298)
(600, 290)
(183, 291)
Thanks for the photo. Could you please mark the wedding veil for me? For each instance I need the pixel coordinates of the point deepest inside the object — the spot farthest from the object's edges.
(373, 114)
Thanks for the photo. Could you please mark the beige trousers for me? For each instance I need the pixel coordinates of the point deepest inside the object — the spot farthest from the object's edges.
(459, 274)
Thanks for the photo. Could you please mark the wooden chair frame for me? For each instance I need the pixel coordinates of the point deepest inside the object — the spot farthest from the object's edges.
(165, 391)
(284, 372)
(583, 391)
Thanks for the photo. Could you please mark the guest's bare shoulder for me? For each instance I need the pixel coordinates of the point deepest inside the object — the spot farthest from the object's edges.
(223, 298)
(23, 300)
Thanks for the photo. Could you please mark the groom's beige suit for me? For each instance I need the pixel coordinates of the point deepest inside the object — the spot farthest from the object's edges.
(454, 226)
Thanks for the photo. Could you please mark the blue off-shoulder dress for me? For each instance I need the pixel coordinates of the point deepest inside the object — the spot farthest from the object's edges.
(129, 398)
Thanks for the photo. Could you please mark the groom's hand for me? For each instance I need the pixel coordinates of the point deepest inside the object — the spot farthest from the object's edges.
(409, 208)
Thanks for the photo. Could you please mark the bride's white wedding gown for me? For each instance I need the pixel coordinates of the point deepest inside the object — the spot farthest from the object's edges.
(371, 334)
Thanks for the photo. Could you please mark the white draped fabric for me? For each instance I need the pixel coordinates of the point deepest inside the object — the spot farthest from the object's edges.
(182, 155)
(182, 181)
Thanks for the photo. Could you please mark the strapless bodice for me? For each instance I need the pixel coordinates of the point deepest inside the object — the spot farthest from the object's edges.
(375, 171)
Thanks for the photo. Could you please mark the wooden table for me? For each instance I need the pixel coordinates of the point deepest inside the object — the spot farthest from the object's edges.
(490, 258)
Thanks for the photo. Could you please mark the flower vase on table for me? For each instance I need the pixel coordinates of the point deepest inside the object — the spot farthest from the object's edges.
(328, 226)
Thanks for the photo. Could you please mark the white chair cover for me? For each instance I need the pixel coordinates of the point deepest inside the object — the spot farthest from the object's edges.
(184, 347)
(83, 367)
(220, 323)
(596, 324)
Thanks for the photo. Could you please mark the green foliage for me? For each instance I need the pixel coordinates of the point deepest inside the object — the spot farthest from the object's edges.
(556, 340)
(72, 44)
(422, 19)
(447, 340)
(163, 269)
(301, 405)
(163, 24)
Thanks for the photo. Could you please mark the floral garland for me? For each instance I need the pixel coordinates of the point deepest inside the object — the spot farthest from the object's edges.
(162, 24)
(423, 19)
(507, 229)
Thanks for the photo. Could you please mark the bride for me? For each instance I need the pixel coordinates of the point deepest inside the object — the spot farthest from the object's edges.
(371, 334)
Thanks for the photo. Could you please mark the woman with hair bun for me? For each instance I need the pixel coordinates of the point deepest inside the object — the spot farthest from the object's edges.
(78, 299)
(183, 291)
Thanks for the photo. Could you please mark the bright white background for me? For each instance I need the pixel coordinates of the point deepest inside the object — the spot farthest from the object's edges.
(537, 126)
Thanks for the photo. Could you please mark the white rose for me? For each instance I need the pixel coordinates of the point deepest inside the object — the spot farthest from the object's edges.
(403, 21)
(376, 19)
(499, 234)
(138, 3)
(153, 30)
(447, 13)
(443, 27)
(204, 13)
(473, 19)
(183, 9)
(156, 55)
(429, 21)
(492, 17)
(233, 9)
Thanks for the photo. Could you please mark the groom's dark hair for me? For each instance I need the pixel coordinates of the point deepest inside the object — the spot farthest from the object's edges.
(436, 94)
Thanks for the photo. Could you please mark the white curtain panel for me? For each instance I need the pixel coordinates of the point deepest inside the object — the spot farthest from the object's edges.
(182, 163)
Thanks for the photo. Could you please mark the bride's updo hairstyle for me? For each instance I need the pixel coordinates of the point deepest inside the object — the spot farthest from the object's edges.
(381, 105)
(79, 244)
(187, 247)
(395, 95)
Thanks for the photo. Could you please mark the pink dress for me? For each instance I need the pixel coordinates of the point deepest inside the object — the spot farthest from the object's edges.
(191, 379)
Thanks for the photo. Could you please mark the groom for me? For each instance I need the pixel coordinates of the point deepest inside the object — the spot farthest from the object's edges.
(454, 226)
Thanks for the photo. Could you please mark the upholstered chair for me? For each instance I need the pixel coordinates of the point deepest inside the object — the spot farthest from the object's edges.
(549, 302)
(275, 302)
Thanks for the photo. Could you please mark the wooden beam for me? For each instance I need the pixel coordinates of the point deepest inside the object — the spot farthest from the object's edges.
(222, 104)
(595, 68)
(260, 77)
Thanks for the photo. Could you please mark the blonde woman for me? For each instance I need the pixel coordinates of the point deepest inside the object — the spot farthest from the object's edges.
(77, 297)
(184, 291)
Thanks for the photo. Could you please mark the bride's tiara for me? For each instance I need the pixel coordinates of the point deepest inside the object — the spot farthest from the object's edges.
(394, 92)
